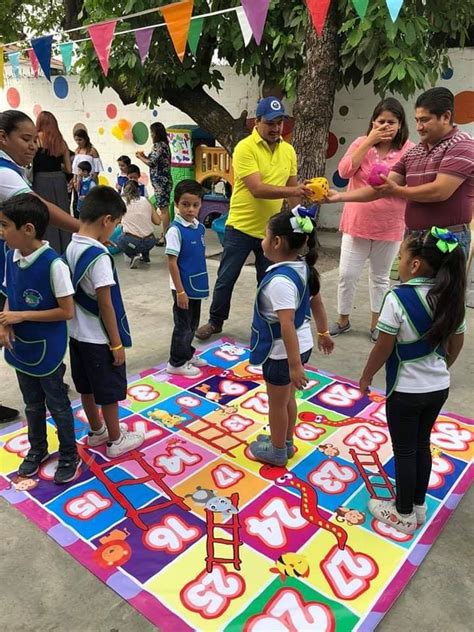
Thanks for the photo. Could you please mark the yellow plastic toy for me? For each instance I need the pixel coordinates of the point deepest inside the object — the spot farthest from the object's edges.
(319, 187)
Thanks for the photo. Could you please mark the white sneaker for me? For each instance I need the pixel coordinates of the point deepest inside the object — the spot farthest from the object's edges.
(128, 441)
(134, 262)
(198, 361)
(94, 439)
(420, 513)
(386, 512)
(187, 370)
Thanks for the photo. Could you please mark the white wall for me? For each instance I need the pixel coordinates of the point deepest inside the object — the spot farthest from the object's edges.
(238, 93)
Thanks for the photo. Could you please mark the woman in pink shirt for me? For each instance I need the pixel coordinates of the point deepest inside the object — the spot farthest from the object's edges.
(371, 230)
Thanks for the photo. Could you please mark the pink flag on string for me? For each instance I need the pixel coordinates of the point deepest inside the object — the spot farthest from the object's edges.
(256, 12)
(33, 61)
(319, 11)
(143, 40)
(102, 36)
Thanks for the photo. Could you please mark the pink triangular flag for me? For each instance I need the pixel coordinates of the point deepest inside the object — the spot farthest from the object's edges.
(102, 36)
(256, 12)
(33, 61)
(143, 40)
(319, 11)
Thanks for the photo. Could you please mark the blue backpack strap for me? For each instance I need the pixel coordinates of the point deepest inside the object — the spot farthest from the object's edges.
(9, 164)
(88, 258)
(422, 321)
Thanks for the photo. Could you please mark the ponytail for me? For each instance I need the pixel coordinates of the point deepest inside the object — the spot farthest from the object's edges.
(10, 119)
(446, 298)
(280, 225)
(131, 191)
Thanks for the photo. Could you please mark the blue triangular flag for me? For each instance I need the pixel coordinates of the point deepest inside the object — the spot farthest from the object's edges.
(42, 48)
(14, 59)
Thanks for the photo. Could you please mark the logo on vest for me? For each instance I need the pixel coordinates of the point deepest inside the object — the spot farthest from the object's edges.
(32, 298)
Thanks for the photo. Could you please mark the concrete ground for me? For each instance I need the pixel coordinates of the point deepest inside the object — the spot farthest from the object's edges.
(44, 589)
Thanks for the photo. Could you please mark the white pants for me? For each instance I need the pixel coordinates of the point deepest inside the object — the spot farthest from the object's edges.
(354, 253)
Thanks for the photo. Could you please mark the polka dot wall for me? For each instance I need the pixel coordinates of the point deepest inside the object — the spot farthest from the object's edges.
(116, 129)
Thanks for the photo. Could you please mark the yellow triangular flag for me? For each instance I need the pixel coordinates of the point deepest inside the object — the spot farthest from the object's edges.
(2, 48)
(177, 17)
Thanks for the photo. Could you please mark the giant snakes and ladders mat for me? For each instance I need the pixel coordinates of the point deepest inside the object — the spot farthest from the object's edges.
(196, 535)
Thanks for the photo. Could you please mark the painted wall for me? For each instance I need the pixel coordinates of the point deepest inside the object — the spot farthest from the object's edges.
(100, 112)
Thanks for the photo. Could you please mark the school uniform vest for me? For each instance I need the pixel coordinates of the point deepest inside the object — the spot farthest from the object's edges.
(89, 303)
(7, 164)
(38, 348)
(414, 350)
(192, 261)
(264, 333)
(122, 181)
(85, 187)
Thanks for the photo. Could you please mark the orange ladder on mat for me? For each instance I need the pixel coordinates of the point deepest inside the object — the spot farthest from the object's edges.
(381, 473)
(113, 487)
(234, 527)
(219, 433)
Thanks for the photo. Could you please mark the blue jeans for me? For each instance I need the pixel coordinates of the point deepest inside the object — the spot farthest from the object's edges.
(237, 247)
(186, 321)
(50, 391)
(133, 246)
(464, 237)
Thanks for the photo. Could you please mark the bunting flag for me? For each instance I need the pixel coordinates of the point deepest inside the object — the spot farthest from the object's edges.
(102, 36)
(244, 26)
(42, 48)
(319, 11)
(178, 18)
(361, 7)
(256, 12)
(2, 80)
(14, 59)
(195, 30)
(394, 7)
(66, 51)
(33, 61)
(143, 40)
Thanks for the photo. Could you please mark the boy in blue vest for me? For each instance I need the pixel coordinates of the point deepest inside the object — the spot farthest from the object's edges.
(99, 330)
(86, 182)
(189, 282)
(134, 173)
(33, 330)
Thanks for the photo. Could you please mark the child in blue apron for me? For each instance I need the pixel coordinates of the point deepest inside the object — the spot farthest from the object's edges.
(86, 182)
(33, 330)
(99, 331)
(421, 328)
(281, 339)
(186, 254)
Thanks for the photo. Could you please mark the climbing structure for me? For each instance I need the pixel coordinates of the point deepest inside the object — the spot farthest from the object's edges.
(113, 487)
(233, 526)
(372, 460)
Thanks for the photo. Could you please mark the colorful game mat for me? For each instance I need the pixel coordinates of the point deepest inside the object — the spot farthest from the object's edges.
(195, 535)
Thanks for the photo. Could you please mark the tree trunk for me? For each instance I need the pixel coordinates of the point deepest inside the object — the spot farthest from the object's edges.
(72, 8)
(202, 108)
(314, 105)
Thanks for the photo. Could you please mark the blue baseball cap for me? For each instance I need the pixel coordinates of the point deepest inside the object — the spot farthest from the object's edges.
(270, 108)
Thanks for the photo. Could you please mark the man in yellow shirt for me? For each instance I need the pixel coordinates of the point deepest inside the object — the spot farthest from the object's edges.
(265, 174)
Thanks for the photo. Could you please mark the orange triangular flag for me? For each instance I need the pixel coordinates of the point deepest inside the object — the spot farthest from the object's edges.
(177, 17)
(102, 35)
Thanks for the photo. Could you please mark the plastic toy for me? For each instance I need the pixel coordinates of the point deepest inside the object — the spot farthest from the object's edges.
(319, 187)
(377, 170)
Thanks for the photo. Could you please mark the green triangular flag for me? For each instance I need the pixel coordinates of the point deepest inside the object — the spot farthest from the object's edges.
(361, 7)
(194, 34)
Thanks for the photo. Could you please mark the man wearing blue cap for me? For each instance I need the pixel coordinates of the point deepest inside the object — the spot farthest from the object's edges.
(265, 174)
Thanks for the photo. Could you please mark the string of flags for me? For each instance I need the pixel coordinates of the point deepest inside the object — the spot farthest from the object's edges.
(183, 28)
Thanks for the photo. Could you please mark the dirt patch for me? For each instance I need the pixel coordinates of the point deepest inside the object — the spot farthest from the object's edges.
(328, 259)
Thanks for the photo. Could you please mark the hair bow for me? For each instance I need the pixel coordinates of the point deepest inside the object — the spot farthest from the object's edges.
(446, 240)
(303, 220)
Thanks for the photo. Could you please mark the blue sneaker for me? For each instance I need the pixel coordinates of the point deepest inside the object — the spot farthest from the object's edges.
(266, 452)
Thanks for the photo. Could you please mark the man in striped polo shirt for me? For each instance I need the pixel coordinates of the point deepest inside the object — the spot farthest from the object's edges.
(436, 177)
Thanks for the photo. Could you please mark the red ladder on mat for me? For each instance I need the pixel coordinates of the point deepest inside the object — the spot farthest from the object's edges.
(219, 433)
(369, 484)
(234, 527)
(113, 487)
